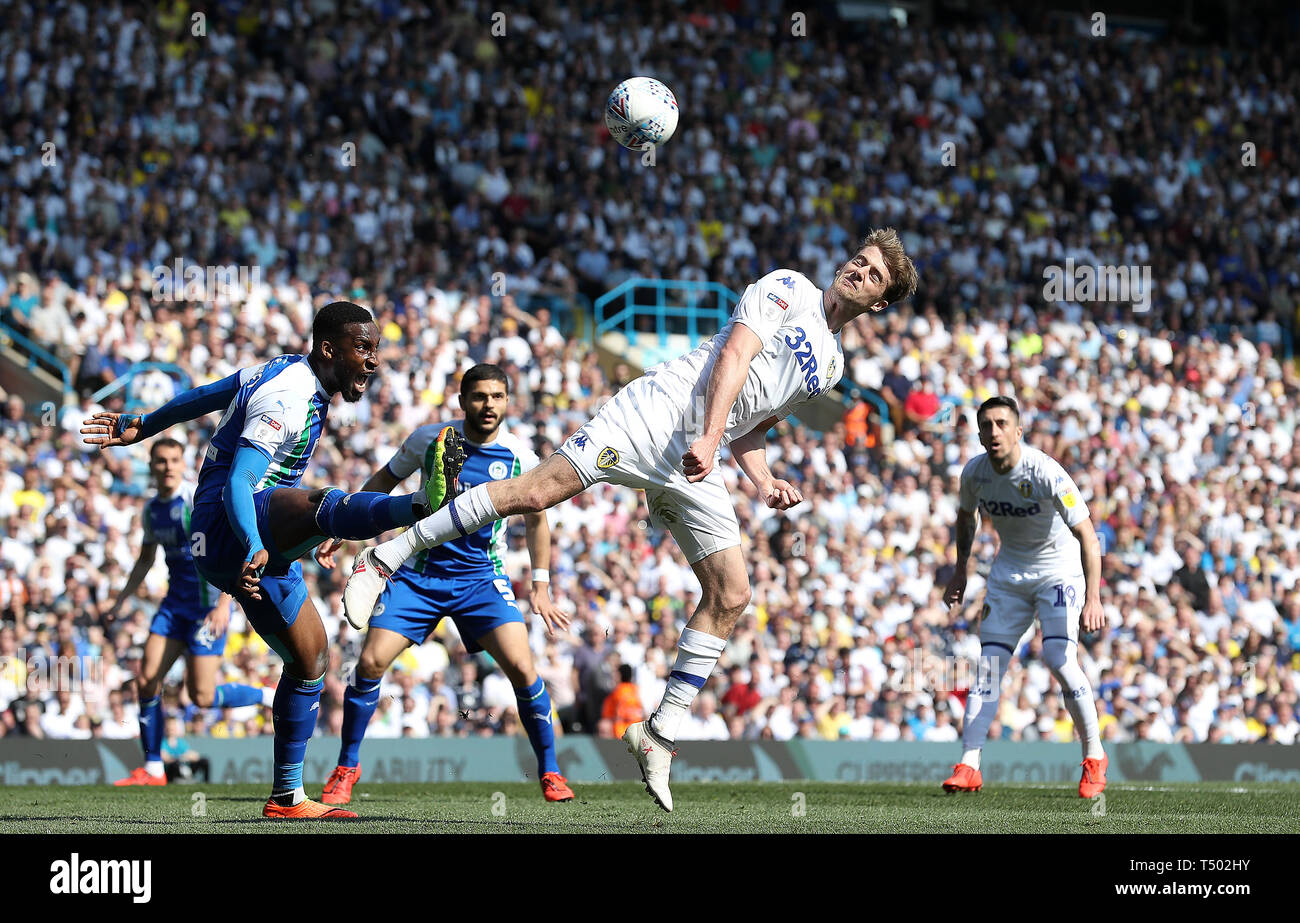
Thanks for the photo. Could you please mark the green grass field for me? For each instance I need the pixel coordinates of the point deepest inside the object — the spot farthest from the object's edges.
(702, 807)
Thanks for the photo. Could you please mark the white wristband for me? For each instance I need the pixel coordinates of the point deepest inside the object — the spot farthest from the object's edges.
(541, 575)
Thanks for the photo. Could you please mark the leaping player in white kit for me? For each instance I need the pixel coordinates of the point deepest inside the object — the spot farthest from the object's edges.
(1049, 564)
(661, 433)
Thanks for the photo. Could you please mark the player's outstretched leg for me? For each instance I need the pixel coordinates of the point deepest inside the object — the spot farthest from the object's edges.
(1061, 659)
(724, 593)
(297, 706)
(159, 654)
(299, 520)
(360, 700)
(551, 482)
(981, 709)
(508, 645)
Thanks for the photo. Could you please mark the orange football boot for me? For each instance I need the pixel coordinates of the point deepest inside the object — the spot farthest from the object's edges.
(138, 776)
(1093, 781)
(338, 788)
(964, 779)
(555, 787)
(306, 810)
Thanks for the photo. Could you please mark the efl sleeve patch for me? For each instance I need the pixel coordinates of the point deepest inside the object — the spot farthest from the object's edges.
(265, 430)
(1069, 500)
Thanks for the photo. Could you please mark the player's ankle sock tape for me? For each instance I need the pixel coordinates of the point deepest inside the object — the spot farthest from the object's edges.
(360, 700)
(364, 515)
(151, 728)
(296, 708)
(464, 515)
(235, 695)
(535, 714)
(697, 655)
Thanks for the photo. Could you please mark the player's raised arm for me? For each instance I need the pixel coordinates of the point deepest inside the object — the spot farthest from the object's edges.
(106, 430)
(750, 453)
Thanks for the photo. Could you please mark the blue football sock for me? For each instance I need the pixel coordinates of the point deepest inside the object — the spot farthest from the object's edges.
(233, 695)
(297, 705)
(359, 704)
(535, 713)
(367, 514)
(151, 728)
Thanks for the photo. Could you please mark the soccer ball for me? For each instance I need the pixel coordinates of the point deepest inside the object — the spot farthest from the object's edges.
(641, 112)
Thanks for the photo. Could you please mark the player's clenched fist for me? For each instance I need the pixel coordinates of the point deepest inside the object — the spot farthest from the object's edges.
(782, 495)
(698, 460)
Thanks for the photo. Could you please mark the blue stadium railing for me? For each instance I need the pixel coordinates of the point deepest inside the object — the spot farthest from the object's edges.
(124, 381)
(37, 356)
(691, 314)
(697, 309)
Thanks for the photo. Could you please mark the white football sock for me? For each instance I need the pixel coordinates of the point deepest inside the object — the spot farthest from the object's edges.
(971, 758)
(154, 768)
(697, 655)
(465, 514)
(1077, 695)
(982, 700)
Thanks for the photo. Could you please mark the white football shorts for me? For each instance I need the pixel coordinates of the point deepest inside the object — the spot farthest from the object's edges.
(1011, 602)
(637, 440)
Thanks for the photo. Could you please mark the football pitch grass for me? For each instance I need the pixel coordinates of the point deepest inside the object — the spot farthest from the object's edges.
(701, 807)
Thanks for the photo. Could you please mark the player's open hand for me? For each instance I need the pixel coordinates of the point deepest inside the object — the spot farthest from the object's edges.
(250, 579)
(552, 615)
(324, 553)
(698, 460)
(781, 495)
(1093, 617)
(101, 430)
(955, 591)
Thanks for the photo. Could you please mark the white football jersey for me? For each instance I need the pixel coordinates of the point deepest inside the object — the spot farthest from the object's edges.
(800, 359)
(1033, 507)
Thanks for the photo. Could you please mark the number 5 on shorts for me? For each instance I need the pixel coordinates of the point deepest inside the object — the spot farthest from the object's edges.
(503, 587)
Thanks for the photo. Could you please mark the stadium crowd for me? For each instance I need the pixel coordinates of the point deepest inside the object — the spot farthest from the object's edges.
(405, 156)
